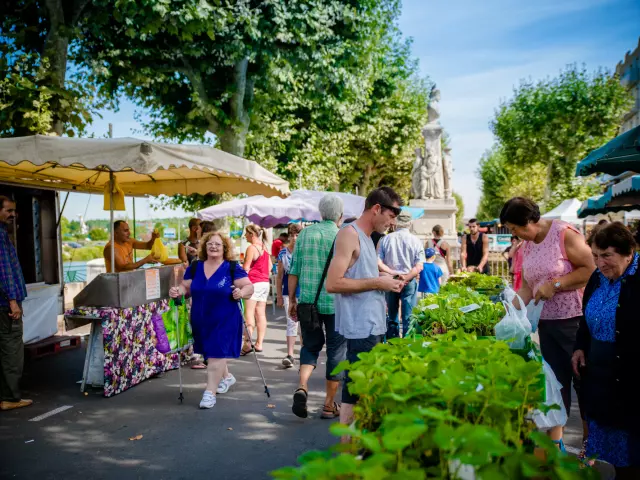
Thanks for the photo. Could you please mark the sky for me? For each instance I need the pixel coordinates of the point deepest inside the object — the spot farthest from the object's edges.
(476, 52)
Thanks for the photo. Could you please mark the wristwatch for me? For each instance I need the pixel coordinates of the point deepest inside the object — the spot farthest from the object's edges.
(557, 285)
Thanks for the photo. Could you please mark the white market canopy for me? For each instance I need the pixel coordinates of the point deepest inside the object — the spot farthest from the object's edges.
(567, 211)
(301, 205)
(139, 167)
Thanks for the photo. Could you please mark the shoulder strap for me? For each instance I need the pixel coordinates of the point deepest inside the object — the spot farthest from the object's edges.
(232, 270)
(192, 268)
(324, 273)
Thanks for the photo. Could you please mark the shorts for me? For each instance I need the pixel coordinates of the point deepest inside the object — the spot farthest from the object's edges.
(292, 326)
(260, 291)
(355, 347)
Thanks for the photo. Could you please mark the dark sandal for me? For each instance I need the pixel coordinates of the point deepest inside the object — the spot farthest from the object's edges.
(244, 352)
(330, 412)
(299, 407)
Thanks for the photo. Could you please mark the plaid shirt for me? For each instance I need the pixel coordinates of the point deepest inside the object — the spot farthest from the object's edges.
(11, 279)
(309, 258)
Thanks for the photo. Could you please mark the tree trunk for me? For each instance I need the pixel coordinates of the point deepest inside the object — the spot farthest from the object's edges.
(233, 138)
(56, 50)
(547, 189)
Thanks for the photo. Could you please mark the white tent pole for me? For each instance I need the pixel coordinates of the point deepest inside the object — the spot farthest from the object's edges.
(113, 233)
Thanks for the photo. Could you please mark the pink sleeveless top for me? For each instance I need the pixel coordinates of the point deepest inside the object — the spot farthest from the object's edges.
(546, 261)
(259, 269)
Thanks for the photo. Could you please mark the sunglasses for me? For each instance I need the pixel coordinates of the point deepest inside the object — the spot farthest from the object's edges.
(395, 210)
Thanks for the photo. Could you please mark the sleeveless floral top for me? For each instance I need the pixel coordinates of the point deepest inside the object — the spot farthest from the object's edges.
(546, 261)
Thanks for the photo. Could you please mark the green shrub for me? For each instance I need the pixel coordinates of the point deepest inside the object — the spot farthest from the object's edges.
(429, 407)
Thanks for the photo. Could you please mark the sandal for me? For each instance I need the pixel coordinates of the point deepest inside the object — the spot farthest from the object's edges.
(299, 407)
(560, 444)
(244, 352)
(329, 412)
(198, 366)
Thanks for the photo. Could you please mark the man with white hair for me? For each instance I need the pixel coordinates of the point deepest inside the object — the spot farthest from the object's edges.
(401, 252)
(315, 312)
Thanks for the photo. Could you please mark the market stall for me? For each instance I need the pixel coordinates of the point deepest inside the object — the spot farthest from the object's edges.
(301, 205)
(120, 307)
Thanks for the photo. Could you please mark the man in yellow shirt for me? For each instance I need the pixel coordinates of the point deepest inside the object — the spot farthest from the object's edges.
(124, 246)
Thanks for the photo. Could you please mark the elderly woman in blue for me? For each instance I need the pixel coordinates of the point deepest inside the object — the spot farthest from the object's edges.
(605, 355)
(216, 285)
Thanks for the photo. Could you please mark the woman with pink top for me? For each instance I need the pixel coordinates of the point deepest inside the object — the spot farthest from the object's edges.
(556, 266)
(257, 262)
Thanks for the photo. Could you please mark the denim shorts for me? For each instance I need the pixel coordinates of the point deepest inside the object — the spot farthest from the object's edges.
(313, 339)
(355, 347)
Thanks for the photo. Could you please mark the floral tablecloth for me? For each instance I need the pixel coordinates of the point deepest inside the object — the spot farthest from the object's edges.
(130, 354)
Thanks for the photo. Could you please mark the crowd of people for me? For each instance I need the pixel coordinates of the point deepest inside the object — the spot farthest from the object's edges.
(351, 285)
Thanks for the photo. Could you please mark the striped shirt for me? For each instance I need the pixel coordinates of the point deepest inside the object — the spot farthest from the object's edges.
(309, 258)
(11, 279)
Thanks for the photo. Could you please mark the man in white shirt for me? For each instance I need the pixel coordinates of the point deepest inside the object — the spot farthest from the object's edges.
(401, 252)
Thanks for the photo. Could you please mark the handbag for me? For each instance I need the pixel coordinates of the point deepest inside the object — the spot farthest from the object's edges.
(308, 314)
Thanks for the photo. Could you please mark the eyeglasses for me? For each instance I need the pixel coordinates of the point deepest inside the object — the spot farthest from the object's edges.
(216, 245)
(395, 210)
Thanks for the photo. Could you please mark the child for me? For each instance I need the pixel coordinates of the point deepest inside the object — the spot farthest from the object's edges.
(431, 275)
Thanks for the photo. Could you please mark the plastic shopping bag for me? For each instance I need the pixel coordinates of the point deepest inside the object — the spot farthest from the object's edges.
(553, 418)
(179, 335)
(533, 314)
(162, 341)
(514, 328)
(159, 251)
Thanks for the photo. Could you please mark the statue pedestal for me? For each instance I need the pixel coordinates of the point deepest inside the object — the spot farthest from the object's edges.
(437, 212)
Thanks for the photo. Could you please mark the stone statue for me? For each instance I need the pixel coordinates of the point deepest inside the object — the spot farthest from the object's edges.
(447, 167)
(433, 110)
(424, 181)
(428, 175)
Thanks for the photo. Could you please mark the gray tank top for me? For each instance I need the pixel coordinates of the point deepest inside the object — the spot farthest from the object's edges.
(359, 315)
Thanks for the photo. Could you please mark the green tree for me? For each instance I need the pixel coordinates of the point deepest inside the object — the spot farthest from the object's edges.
(39, 92)
(460, 212)
(501, 180)
(98, 234)
(556, 122)
(209, 67)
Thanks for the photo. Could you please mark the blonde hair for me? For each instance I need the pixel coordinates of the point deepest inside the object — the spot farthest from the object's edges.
(257, 231)
(227, 246)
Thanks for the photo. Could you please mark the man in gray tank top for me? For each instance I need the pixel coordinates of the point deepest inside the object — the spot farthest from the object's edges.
(359, 286)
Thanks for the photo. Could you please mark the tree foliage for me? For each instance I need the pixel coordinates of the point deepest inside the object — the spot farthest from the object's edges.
(98, 234)
(204, 67)
(556, 122)
(39, 92)
(460, 212)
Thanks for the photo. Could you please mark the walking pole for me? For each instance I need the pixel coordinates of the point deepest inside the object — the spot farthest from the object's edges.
(176, 318)
(246, 328)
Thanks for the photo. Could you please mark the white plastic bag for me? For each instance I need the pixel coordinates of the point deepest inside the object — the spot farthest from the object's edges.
(554, 418)
(533, 313)
(514, 328)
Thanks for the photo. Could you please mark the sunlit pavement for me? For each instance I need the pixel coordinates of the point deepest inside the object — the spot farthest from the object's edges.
(244, 436)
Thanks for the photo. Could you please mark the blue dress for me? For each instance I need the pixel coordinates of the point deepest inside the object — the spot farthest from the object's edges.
(615, 446)
(216, 319)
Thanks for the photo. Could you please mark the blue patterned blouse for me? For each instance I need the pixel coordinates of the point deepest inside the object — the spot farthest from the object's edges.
(601, 310)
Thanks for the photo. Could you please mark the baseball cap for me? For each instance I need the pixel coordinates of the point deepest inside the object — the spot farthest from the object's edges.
(430, 252)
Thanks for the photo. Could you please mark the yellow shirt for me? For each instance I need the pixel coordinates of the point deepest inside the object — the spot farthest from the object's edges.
(123, 253)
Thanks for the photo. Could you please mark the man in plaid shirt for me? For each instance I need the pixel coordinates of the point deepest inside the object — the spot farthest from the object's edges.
(309, 258)
(12, 292)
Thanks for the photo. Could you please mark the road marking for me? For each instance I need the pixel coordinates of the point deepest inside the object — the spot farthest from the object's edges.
(51, 413)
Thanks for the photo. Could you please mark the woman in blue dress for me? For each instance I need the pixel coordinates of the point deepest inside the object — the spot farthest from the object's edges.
(216, 318)
(605, 355)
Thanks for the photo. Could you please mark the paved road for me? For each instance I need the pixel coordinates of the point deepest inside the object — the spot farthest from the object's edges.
(240, 438)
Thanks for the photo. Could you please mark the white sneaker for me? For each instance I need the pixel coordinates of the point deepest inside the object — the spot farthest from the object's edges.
(225, 384)
(208, 400)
